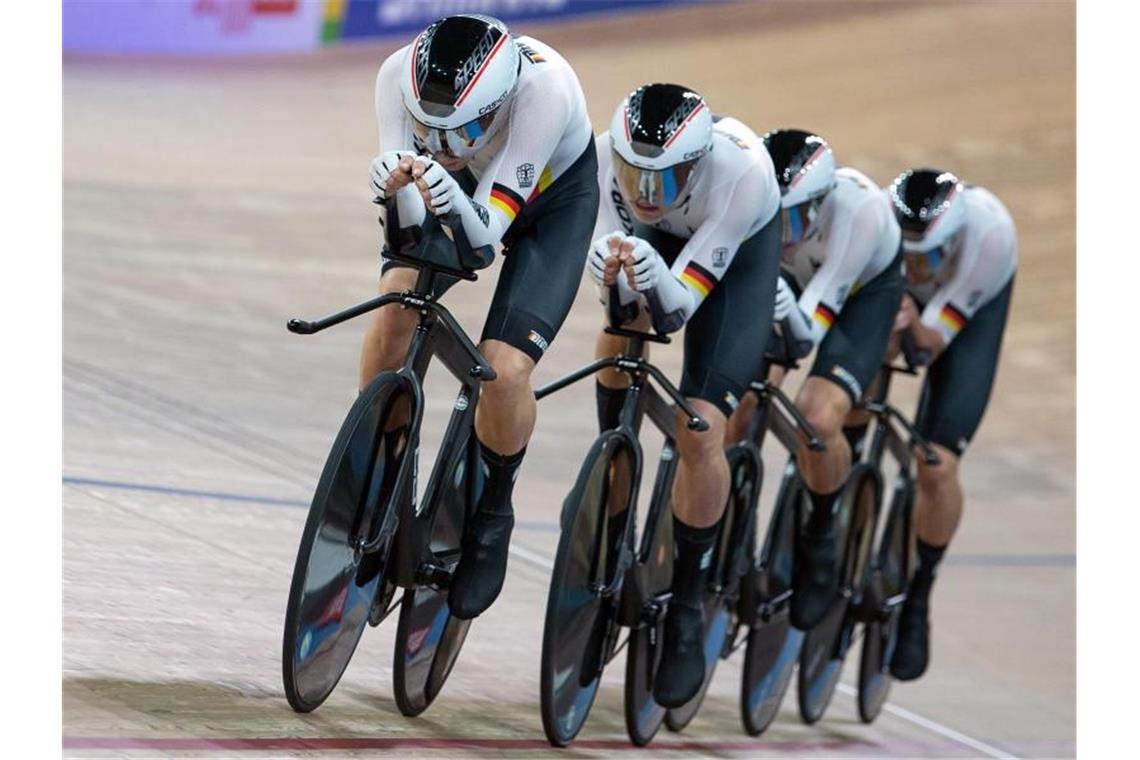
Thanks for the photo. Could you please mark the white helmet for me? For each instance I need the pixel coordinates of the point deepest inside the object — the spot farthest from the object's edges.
(659, 133)
(929, 207)
(805, 172)
(457, 74)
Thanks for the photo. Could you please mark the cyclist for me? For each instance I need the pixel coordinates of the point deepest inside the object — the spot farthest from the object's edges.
(839, 291)
(960, 256)
(489, 133)
(688, 231)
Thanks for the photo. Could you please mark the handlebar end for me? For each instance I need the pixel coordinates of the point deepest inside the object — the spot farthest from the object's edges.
(698, 424)
(816, 445)
(300, 327)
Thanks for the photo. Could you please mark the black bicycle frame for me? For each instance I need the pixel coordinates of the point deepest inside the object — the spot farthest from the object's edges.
(886, 439)
(437, 334)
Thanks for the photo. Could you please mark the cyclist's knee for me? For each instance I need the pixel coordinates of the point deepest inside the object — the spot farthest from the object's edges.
(512, 367)
(824, 405)
(937, 478)
(701, 446)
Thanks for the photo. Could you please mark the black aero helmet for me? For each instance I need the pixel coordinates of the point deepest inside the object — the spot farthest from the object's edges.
(456, 75)
(928, 206)
(805, 173)
(658, 134)
(804, 163)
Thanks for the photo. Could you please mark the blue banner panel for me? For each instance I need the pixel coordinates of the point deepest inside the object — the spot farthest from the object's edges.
(370, 18)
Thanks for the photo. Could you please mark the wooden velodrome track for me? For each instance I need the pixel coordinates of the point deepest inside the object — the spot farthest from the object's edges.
(206, 202)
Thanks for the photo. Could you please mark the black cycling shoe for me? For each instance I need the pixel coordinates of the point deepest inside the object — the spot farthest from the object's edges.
(478, 577)
(816, 580)
(682, 669)
(912, 653)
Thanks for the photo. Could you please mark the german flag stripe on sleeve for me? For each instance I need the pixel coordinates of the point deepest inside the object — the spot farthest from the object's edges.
(544, 181)
(952, 318)
(506, 200)
(824, 316)
(698, 278)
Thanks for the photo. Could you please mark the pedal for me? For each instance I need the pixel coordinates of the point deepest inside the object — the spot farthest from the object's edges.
(436, 576)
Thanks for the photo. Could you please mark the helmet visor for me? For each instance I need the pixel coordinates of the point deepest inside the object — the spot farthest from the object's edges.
(652, 187)
(798, 220)
(461, 141)
(923, 266)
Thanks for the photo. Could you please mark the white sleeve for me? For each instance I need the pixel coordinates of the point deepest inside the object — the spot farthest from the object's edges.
(391, 120)
(851, 243)
(983, 270)
(710, 251)
(538, 120)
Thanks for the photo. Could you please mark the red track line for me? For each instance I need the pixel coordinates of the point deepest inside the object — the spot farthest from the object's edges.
(172, 744)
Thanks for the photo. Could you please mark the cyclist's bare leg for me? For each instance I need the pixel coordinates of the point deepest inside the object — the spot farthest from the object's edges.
(387, 337)
(611, 378)
(825, 406)
(699, 495)
(938, 508)
(938, 503)
(390, 331)
(504, 420)
(700, 490)
(505, 416)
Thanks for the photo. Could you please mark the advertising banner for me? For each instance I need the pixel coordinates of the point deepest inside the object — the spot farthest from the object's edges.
(354, 19)
(191, 26)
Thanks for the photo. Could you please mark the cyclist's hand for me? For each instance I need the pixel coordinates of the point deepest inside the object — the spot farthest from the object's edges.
(438, 188)
(643, 266)
(603, 262)
(785, 300)
(389, 172)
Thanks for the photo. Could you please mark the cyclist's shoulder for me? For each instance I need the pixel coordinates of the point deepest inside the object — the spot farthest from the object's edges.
(856, 193)
(389, 72)
(983, 207)
(738, 152)
(541, 63)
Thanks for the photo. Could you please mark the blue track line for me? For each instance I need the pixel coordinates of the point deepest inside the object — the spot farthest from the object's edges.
(960, 560)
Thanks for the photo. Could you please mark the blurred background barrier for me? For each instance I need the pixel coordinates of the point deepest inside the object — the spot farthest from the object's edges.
(278, 26)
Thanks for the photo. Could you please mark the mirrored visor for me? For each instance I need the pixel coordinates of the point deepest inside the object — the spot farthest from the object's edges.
(797, 220)
(652, 187)
(461, 140)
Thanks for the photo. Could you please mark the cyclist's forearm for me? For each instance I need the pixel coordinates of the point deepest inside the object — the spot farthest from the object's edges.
(482, 226)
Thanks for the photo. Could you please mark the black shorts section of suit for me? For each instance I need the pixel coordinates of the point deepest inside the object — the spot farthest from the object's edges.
(724, 350)
(853, 349)
(544, 253)
(958, 384)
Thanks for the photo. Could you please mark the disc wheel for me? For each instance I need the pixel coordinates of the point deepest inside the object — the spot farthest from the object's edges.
(888, 581)
(428, 637)
(735, 549)
(825, 646)
(580, 620)
(428, 640)
(643, 716)
(773, 643)
(718, 620)
(334, 584)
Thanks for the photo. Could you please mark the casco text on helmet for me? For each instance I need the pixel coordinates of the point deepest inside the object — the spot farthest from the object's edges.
(658, 133)
(459, 69)
(929, 207)
(804, 163)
